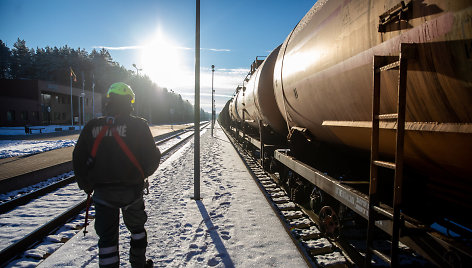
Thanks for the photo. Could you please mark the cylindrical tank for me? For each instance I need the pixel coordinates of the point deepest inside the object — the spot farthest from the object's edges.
(259, 98)
(234, 104)
(231, 109)
(239, 104)
(323, 79)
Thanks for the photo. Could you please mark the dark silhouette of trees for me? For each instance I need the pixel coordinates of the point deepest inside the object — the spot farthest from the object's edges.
(5, 59)
(53, 64)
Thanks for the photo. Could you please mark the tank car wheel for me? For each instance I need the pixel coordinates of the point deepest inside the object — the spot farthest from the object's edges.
(291, 181)
(284, 176)
(329, 223)
(273, 166)
(297, 194)
(316, 199)
(296, 189)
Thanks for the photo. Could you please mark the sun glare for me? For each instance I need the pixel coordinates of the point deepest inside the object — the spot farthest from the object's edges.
(161, 61)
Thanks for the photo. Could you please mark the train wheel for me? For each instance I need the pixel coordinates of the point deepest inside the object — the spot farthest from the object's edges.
(298, 194)
(291, 181)
(273, 167)
(316, 199)
(284, 175)
(296, 189)
(329, 223)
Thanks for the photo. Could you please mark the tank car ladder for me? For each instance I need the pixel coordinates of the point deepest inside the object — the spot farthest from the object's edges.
(376, 212)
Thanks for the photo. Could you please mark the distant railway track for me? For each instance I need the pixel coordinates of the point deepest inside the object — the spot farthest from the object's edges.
(318, 246)
(28, 196)
(25, 198)
(37, 176)
(9, 253)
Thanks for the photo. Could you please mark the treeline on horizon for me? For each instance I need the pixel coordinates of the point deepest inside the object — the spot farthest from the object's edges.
(53, 64)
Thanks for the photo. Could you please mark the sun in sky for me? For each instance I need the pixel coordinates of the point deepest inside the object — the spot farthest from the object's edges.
(161, 60)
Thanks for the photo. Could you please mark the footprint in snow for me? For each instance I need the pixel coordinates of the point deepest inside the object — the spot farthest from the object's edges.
(213, 262)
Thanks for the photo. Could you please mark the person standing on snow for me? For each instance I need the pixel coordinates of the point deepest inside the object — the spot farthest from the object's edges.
(112, 158)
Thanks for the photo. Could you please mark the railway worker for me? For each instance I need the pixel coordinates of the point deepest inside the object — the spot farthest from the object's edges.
(112, 158)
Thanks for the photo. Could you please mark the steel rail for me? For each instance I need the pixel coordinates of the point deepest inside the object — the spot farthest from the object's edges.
(33, 177)
(182, 141)
(301, 249)
(165, 137)
(172, 136)
(24, 199)
(353, 254)
(9, 253)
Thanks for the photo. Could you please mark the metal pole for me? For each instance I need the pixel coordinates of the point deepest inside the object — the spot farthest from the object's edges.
(93, 95)
(212, 101)
(71, 109)
(149, 108)
(150, 111)
(78, 108)
(83, 109)
(83, 99)
(196, 167)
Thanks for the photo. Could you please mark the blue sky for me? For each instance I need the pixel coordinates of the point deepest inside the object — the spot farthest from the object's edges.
(159, 36)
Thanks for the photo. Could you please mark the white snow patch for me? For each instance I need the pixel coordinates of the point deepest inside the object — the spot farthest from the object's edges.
(20, 131)
(231, 226)
(10, 148)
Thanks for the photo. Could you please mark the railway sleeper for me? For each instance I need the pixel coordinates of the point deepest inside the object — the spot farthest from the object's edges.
(301, 227)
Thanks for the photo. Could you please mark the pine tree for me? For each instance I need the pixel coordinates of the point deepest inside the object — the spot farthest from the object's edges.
(5, 58)
(52, 64)
(21, 66)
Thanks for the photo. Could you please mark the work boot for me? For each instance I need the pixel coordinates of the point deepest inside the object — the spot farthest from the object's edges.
(149, 263)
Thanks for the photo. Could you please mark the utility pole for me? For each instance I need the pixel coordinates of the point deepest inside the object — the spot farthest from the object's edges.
(83, 99)
(78, 108)
(212, 100)
(196, 167)
(72, 74)
(93, 95)
(137, 74)
(71, 104)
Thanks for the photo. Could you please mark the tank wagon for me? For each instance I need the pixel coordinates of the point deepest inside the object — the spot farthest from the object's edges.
(258, 96)
(387, 84)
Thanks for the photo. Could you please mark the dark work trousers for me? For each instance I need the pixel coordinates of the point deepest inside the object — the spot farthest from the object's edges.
(107, 227)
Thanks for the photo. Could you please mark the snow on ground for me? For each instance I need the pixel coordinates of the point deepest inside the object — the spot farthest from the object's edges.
(10, 148)
(23, 220)
(231, 226)
(20, 131)
(28, 189)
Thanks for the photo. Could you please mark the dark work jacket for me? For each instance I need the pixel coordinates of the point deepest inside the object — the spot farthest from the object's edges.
(111, 164)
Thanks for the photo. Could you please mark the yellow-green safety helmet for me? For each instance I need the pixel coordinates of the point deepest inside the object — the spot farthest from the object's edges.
(122, 89)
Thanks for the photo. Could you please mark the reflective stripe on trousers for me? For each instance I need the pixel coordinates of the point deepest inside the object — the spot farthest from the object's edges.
(107, 227)
(108, 256)
(138, 236)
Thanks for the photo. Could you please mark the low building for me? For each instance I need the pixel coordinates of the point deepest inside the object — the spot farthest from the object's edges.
(36, 102)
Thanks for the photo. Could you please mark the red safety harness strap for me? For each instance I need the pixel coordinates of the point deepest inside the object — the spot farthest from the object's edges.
(98, 140)
(123, 147)
(127, 151)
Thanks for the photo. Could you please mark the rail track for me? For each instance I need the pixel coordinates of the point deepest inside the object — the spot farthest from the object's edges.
(26, 196)
(319, 237)
(38, 176)
(167, 145)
